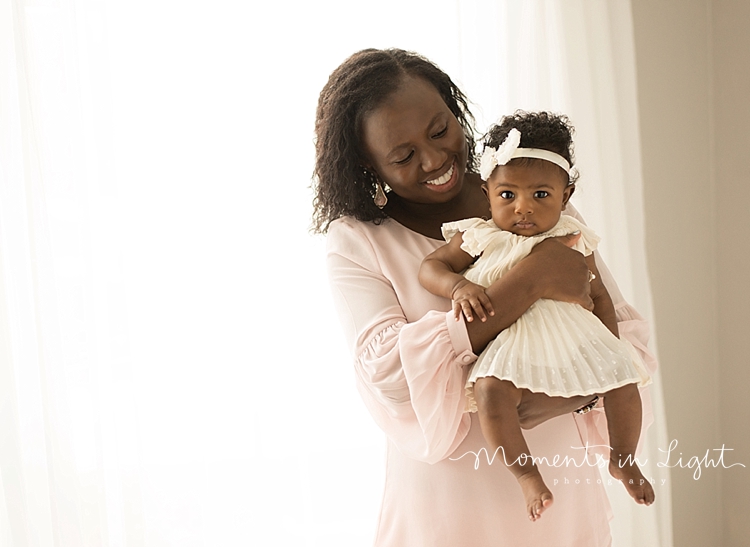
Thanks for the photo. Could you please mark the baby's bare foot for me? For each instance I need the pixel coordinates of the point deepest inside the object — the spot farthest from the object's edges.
(633, 481)
(537, 495)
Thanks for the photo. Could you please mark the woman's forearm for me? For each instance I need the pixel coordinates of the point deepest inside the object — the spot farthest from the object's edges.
(552, 270)
(511, 296)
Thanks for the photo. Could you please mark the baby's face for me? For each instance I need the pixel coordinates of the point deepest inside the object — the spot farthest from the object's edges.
(527, 199)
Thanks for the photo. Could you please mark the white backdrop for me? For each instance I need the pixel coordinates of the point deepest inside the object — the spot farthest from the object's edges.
(171, 372)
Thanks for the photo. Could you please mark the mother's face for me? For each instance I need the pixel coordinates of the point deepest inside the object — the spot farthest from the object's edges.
(416, 145)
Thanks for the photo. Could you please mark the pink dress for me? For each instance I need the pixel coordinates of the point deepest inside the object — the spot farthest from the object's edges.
(411, 360)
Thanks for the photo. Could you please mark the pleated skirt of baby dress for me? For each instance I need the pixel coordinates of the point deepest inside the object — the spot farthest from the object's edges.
(560, 349)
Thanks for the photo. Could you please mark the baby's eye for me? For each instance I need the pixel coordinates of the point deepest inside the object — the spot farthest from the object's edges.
(440, 133)
(506, 194)
(541, 194)
(406, 159)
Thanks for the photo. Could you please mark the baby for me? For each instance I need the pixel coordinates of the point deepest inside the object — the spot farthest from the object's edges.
(557, 348)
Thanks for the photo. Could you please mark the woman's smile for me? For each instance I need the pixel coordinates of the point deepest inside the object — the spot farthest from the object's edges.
(446, 181)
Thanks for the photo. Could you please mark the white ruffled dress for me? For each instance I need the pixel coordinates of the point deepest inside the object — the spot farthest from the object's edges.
(557, 348)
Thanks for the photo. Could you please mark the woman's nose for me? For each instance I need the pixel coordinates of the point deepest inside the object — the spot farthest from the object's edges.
(433, 158)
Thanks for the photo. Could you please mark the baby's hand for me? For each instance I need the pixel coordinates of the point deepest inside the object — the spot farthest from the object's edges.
(469, 298)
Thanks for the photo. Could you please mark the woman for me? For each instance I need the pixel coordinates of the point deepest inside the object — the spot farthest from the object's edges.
(393, 118)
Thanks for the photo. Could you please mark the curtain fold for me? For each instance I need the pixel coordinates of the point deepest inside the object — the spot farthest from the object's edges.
(578, 57)
(171, 372)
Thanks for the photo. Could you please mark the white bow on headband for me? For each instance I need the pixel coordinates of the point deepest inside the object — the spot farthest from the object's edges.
(508, 150)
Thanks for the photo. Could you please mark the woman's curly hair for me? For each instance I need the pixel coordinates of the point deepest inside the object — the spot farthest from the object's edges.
(357, 87)
(545, 130)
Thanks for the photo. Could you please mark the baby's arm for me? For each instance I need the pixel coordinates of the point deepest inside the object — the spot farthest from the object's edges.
(439, 275)
(604, 309)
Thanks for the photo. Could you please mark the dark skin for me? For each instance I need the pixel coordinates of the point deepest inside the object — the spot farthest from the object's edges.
(413, 142)
(441, 270)
(527, 200)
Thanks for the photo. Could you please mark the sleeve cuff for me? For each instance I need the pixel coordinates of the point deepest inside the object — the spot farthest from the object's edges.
(460, 339)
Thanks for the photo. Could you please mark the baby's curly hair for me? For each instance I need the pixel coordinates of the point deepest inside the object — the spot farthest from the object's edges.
(357, 87)
(545, 130)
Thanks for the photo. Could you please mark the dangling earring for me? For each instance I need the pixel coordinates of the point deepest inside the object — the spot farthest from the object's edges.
(380, 198)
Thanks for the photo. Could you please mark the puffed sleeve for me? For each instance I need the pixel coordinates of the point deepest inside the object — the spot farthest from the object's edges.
(410, 374)
(633, 328)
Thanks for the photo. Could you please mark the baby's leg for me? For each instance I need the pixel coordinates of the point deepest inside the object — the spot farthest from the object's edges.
(497, 404)
(623, 409)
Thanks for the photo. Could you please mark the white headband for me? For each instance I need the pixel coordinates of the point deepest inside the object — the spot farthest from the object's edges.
(508, 150)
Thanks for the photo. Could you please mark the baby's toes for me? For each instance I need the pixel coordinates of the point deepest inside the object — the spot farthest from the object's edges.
(546, 499)
(648, 495)
(538, 506)
(535, 510)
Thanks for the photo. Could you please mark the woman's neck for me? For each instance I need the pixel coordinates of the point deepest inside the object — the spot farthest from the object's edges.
(427, 218)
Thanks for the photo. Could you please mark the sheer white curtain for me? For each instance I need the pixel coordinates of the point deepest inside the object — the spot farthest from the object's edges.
(578, 57)
(171, 372)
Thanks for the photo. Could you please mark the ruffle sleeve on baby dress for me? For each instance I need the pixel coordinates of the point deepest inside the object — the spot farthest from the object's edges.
(477, 234)
(586, 244)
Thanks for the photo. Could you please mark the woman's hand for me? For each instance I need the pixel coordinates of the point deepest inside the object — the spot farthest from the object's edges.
(552, 270)
(560, 272)
(536, 408)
